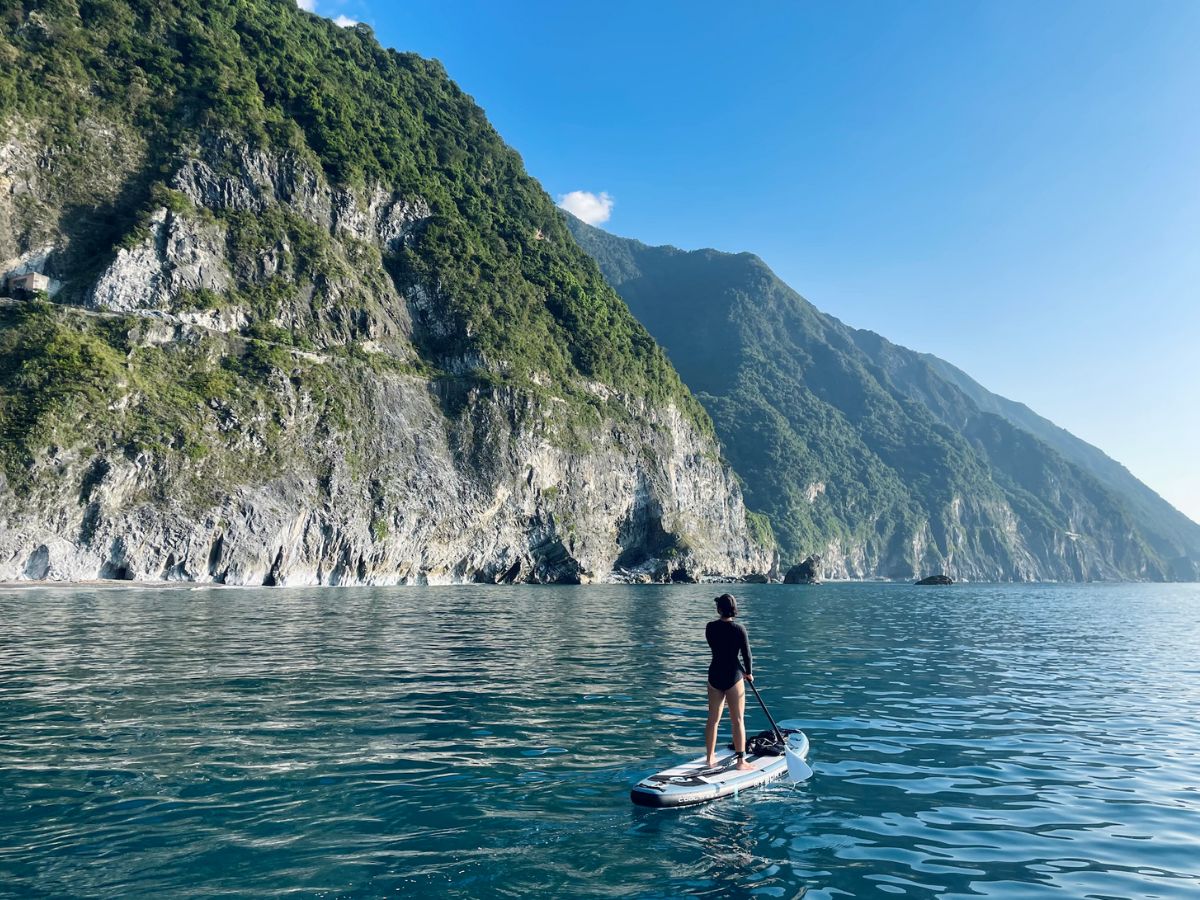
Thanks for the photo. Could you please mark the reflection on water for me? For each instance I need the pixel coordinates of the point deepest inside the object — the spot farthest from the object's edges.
(974, 741)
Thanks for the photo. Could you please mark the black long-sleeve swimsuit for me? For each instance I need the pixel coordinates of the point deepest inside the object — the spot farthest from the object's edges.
(727, 640)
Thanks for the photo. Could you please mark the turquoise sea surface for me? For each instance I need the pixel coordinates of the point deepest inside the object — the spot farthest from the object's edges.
(972, 741)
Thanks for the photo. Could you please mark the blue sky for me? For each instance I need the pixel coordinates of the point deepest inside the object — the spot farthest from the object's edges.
(1014, 186)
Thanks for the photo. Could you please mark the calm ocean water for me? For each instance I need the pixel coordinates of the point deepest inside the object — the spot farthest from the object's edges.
(973, 741)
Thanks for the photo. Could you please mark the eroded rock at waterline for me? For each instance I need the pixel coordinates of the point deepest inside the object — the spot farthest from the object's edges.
(936, 579)
(807, 572)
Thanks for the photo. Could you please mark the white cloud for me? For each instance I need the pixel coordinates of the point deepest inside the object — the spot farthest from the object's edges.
(342, 21)
(591, 208)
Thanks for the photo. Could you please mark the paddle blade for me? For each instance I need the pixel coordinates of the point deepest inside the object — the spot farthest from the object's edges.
(798, 769)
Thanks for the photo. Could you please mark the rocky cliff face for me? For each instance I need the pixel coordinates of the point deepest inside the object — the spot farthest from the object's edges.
(424, 494)
(260, 373)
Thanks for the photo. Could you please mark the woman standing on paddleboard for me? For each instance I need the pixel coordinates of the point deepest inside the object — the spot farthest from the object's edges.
(727, 639)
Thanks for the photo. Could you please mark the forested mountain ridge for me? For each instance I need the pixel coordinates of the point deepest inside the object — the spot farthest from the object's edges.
(302, 317)
(1169, 531)
(879, 459)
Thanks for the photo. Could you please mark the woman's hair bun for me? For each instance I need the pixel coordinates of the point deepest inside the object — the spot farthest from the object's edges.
(727, 605)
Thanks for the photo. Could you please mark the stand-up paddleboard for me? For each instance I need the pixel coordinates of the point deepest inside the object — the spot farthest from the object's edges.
(695, 782)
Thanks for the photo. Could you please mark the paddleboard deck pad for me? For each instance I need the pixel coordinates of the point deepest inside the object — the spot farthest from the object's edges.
(694, 782)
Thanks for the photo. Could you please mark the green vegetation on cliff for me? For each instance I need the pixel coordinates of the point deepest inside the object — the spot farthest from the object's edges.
(70, 379)
(515, 294)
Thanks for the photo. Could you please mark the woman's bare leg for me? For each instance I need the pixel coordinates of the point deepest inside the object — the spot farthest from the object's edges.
(736, 696)
(716, 700)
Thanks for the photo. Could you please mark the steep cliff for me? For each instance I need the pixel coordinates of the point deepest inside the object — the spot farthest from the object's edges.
(879, 459)
(311, 322)
(1174, 536)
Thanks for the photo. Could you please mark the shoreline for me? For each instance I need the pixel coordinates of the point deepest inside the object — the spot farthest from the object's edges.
(116, 584)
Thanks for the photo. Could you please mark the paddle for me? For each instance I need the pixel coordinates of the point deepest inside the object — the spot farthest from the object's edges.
(798, 769)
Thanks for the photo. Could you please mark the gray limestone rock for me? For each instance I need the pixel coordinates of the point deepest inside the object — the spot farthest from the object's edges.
(179, 254)
(420, 480)
(429, 515)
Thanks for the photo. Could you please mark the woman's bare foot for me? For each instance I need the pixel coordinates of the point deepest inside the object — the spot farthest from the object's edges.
(743, 766)
(710, 762)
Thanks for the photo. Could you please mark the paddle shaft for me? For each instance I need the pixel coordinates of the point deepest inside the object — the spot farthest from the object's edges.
(770, 718)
